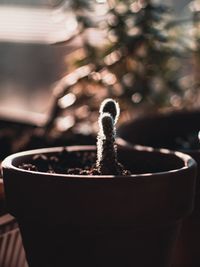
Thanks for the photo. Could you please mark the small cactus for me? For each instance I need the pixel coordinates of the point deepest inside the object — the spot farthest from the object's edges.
(107, 162)
(110, 106)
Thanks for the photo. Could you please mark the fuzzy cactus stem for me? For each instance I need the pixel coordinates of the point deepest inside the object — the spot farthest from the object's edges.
(111, 106)
(107, 162)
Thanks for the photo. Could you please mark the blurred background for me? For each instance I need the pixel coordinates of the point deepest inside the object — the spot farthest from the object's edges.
(60, 59)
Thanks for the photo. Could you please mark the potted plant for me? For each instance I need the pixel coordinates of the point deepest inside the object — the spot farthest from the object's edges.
(177, 131)
(78, 209)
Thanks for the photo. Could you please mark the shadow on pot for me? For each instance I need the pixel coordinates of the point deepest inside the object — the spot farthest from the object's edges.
(104, 221)
(176, 131)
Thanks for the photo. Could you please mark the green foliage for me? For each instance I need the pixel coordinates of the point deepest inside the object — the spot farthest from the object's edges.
(144, 59)
(141, 46)
(146, 47)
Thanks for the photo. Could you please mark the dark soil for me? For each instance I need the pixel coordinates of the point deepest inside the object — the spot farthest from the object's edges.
(75, 163)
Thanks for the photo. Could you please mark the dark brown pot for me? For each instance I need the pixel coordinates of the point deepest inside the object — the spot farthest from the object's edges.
(11, 249)
(104, 221)
(161, 131)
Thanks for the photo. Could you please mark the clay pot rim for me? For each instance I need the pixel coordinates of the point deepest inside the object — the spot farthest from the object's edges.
(188, 161)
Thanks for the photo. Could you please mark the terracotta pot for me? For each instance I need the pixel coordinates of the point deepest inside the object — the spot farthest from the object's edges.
(11, 248)
(74, 220)
(161, 131)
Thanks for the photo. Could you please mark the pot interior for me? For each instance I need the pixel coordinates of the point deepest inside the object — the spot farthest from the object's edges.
(137, 161)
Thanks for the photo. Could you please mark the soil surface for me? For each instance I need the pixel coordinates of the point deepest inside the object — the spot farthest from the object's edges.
(76, 163)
